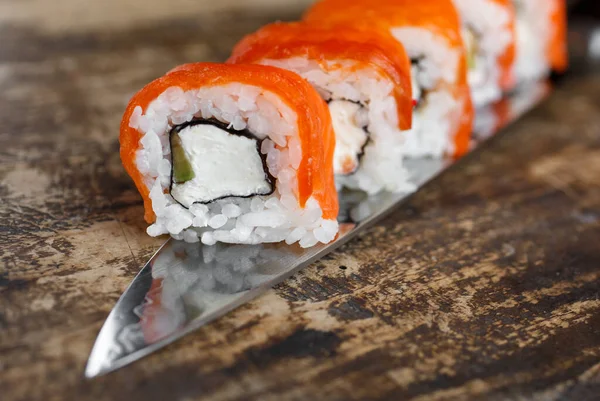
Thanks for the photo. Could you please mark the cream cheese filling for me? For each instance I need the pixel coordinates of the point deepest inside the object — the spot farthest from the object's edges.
(349, 123)
(223, 164)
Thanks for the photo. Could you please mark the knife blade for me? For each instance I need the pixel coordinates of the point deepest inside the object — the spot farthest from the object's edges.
(186, 286)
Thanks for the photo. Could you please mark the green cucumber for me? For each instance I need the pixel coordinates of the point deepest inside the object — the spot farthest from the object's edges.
(182, 168)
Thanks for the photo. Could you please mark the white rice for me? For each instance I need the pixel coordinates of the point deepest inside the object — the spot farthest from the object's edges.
(491, 22)
(381, 166)
(432, 132)
(273, 218)
(534, 28)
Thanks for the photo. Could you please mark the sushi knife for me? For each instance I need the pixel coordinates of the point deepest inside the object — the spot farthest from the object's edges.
(186, 286)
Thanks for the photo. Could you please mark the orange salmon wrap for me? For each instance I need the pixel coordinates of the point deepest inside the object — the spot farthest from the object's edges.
(232, 153)
(541, 38)
(364, 75)
(556, 49)
(489, 31)
(430, 32)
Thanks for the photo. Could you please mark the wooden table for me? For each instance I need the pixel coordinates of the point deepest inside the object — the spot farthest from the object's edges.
(485, 287)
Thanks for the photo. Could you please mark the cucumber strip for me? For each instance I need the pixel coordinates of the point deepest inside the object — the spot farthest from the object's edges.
(182, 168)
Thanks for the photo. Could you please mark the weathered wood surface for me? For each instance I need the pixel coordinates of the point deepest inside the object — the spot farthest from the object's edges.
(485, 287)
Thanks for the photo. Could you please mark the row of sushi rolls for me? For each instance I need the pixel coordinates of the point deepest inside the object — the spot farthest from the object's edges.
(256, 149)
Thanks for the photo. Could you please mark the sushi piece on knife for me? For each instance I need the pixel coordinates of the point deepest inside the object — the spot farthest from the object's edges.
(232, 153)
(541, 38)
(431, 35)
(488, 29)
(364, 75)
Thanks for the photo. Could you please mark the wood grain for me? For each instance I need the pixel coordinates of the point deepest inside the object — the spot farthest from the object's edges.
(485, 287)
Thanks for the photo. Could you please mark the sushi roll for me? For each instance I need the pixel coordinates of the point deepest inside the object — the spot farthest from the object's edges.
(488, 29)
(364, 75)
(491, 118)
(541, 38)
(495, 116)
(232, 153)
(430, 32)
